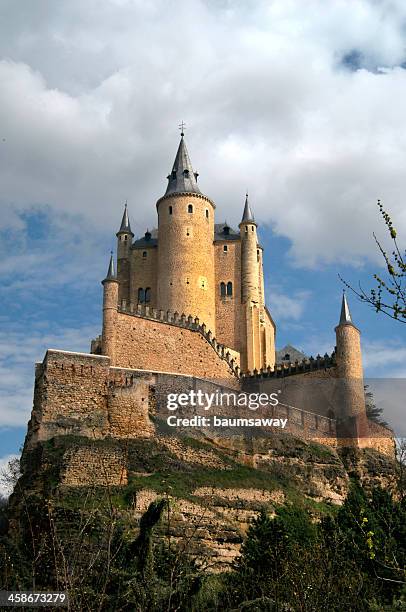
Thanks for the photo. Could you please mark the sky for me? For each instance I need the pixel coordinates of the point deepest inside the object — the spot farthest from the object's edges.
(301, 103)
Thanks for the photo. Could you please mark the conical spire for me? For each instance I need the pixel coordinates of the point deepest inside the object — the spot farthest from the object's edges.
(125, 222)
(247, 214)
(111, 275)
(182, 178)
(345, 316)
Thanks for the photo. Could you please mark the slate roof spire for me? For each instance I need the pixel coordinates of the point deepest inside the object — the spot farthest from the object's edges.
(247, 216)
(125, 222)
(182, 178)
(111, 275)
(345, 316)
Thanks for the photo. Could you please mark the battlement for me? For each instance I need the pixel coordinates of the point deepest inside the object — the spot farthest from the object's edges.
(190, 322)
(282, 370)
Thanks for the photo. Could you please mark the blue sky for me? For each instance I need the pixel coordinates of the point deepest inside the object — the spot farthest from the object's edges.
(295, 101)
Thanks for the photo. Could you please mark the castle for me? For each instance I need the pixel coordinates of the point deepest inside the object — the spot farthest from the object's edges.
(186, 310)
(191, 265)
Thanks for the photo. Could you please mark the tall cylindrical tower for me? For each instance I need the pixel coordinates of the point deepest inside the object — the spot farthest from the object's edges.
(351, 410)
(124, 240)
(185, 245)
(110, 300)
(250, 271)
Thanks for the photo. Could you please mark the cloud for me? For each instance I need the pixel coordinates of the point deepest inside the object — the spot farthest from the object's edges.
(18, 354)
(387, 356)
(92, 94)
(286, 307)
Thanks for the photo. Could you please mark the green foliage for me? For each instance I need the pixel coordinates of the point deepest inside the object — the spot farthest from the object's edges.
(389, 294)
(373, 411)
(295, 561)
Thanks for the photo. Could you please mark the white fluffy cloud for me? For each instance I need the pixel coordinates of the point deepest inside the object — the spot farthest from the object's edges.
(91, 94)
(18, 354)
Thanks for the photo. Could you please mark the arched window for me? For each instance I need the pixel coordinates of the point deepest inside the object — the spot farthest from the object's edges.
(141, 295)
(223, 290)
(229, 288)
(147, 295)
(170, 210)
(190, 208)
(144, 254)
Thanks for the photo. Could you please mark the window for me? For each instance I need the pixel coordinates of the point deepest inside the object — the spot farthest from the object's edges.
(144, 254)
(125, 238)
(207, 213)
(190, 208)
(141, 295)
(287, 357)
(170, 210)
(223, 290)
(257, 254)
(225, 248)
(229, 288)
(252, 228)
(147, 295)
(186, 173)
(246, 229)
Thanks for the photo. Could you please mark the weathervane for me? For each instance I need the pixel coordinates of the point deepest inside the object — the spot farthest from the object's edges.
(182, 128)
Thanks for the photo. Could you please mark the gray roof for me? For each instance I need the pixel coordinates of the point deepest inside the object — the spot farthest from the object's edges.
(125, 222)
(294, 354)
(222, 231)
(247, 214)
(150, 239)
(345, 315)
(182, 178)
(110, 272)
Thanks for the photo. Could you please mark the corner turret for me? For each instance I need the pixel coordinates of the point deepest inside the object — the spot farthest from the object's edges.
(124, 241)
(351, 409)
(110, 302)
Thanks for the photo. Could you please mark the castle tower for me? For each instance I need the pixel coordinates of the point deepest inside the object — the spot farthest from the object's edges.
(124, 240)
(251, 287)
(351, 409)
(185, 237)
(110, 300)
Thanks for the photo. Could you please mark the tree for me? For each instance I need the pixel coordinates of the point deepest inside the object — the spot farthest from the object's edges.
(389, 294)
(373, 411)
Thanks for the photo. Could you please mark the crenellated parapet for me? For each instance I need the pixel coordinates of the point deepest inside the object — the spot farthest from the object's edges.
(281, 370)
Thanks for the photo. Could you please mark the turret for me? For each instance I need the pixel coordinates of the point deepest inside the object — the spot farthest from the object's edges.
(124, 241)
(185, 238)
(351, 409)
(249, 256)
(110, 301)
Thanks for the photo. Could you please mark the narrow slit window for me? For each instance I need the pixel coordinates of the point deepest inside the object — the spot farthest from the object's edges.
(223, 289)
(229, 288)
(190, 208)
(170, 210)
(147, 295)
